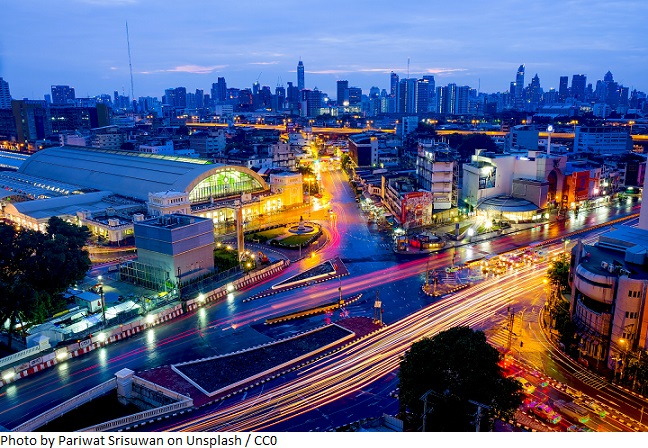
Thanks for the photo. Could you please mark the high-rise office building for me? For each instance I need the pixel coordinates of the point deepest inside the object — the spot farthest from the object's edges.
(300, 75)
(407, 96)
(535, 94)
(200, 97)
(5, 95)
(461, 99)
(176, 97)
(563, 89)
(431, 90)
(62, 94)
(342, 92)
(219, 91)
(519, 88)
(32, 120)
(393, 83)
(579, 83)
(292, 96)
(422, 95)
(442, 100)
(355, 95)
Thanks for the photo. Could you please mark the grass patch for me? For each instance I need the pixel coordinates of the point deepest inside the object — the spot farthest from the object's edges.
(265, 235)
(295, 240)
(225, 259)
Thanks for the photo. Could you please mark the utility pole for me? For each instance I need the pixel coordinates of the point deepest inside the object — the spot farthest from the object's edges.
(340, 291)
(478, 414)
(511, 320)
(378, 309)
(103, 305)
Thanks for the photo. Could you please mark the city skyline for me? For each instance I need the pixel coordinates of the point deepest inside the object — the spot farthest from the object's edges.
(83, 44)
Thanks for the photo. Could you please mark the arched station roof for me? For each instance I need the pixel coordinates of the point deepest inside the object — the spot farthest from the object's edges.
(128, 173)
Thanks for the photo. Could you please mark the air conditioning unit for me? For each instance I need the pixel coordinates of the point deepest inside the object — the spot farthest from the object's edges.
(604, 264)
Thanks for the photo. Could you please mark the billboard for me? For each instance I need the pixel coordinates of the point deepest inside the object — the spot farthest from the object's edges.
(417, 209)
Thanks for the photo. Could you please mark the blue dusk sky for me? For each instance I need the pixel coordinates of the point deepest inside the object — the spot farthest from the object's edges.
(82, 43)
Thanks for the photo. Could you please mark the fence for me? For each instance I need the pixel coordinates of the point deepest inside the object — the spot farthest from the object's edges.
(20, 355)
(67, 406)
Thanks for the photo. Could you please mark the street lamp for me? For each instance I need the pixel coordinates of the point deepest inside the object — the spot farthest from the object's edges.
(550, 130)
(566, 241)
(574, 123)
(631, 123)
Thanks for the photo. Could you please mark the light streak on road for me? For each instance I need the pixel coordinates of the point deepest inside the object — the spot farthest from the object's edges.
(364, 361)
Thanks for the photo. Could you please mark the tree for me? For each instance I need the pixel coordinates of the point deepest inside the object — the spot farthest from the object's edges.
(467, 145)
(35, 268)
(457, 366)
(345, 161)
(558, 272)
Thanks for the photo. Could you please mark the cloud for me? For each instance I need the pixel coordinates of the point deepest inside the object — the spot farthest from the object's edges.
(197, 69)
(264, 63)
(444, 71)
(189, 68)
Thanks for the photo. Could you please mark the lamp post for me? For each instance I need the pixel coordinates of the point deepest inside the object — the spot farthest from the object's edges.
(103, 301)
(566, 241)
(550, 130)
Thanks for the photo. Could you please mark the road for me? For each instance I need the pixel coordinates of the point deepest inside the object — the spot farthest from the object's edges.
(233, 324)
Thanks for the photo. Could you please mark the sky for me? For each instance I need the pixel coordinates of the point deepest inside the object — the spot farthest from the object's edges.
(190, 43)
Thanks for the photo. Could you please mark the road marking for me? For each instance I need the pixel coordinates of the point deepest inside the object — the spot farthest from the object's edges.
(590, 379)
(609, 401)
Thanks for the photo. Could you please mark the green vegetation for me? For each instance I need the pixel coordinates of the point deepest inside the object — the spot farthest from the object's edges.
(454, 367)
(265, 235)
(36, 268)
(225, 259)
(558, 272)
(296, 240)
(344, 161)
(467, 144)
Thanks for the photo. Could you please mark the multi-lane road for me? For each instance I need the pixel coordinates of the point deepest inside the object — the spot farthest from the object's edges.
(234, 324)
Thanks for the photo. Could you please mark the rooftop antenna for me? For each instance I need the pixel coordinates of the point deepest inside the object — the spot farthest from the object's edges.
(408, 61)
(130, 63)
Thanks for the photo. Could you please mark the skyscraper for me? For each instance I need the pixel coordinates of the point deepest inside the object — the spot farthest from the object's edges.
(5, 96)
(62, 94)
(579, 82)
(342, 92)
(300, 76)
(442, 100)
(518, 99)
(563, 89)
(355, 95)
(393, 79)
(423, 95)
(407, 96)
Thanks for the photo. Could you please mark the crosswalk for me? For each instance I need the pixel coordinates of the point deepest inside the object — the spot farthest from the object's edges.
(591, 379)
(499, 337)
